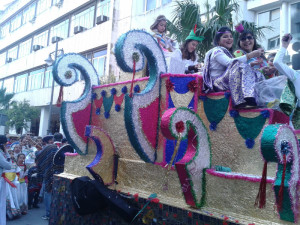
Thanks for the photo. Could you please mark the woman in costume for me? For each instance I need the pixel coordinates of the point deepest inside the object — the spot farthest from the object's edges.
(223, 72)
(187, 53)
(4, 164)
(247, 43)
(22, 192)
(12, 186)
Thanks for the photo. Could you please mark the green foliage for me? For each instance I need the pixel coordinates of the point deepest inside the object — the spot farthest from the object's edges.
(19, 113)
(5, 99)
(187, 13)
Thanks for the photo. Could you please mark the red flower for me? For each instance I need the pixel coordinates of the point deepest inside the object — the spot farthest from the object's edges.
(136, 197)
(155, 200)
(179, 127)
(192, 85)
(169, 85)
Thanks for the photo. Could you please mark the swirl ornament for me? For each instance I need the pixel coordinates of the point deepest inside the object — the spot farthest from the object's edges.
(103, 163)
(279, 144)
(186, 124)
(65, 72)
(140, 44)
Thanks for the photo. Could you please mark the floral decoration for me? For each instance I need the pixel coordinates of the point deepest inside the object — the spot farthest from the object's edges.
(193, 86)
(169, 85)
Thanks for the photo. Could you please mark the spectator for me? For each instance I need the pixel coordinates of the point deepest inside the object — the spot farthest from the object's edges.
(34, 187)
(4, 164)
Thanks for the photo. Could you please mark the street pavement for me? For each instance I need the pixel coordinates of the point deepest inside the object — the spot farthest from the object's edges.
(33, 217)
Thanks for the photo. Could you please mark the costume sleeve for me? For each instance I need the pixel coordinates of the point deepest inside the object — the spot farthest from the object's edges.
(224, 60)
(3, 163)
(177, 55)
(282, 67)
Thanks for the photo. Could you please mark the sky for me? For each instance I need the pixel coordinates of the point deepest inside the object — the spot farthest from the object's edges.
(4, 4)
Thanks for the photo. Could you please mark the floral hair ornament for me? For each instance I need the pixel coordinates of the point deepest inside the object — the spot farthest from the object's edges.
(239, 28)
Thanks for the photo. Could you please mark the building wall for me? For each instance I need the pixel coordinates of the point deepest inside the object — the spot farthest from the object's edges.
(94, 39)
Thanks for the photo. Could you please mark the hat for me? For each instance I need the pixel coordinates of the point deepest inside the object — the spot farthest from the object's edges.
(47, 138)
(59, 157)
(158, 19)
(192, 36)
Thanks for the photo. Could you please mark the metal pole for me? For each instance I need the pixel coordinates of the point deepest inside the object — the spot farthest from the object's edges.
(52, 91)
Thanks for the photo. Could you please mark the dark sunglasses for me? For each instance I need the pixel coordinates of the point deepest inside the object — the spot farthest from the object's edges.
(245, 38)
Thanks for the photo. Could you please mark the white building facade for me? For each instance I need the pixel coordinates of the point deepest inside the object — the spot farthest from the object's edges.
(90, 28)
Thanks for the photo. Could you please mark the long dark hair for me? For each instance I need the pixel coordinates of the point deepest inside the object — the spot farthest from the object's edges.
(185, 53)
(219, 34)
(256, 46)
(3, 141)
(244, 34)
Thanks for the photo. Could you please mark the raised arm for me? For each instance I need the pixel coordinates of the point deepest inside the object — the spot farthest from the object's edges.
(225, 60)
(278, 61)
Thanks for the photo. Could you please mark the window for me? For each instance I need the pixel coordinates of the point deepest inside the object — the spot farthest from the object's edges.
(5, 29)
(150, 4)
(41, 39)
(21, 83)
(29, 13)
(35, 79)
(16, 22)
(1, 84)
(274, 14)
(42, 5)
(274, 42)
(2, 58)
(263, 18)
(89, 56)
(25, 48)
(49, 78)
(60, 30)
(9, 85)
(12, 54)
(163, 2)
(98, 61)
(84, 19)
(103, 8)
(295, 21)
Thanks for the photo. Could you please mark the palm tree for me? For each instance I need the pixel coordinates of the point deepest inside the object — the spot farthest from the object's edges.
(187, 14)
(5, 99)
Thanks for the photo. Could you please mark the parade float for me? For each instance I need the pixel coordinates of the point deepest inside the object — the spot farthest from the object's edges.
(201, 160)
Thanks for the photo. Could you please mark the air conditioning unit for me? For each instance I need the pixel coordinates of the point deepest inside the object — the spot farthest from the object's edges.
(59, 3)
(56, 39)
(32, 20)
(101, 19)
(8, 60)
(36, 47)
(78, 29)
